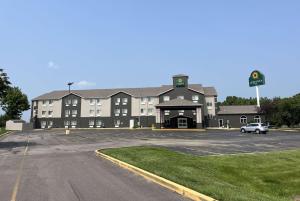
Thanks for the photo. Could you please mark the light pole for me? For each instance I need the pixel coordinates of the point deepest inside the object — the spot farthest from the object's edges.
(69, 84)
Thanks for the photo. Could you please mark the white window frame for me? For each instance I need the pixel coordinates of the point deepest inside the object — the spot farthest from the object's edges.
(142, 112)
(180, 97)
(92, 101)
(117, 123)
(66, 123)
(195, 98)
(43, 124)
(50, 103)
(74, 114)
(257, 119)
(117, 101)
(73, 124)
(124, 101)
(91, 123)
(181, 112)
(166, 98)
(75, 102)
(150, 100)
(98, 125)
(68, 102)
(98, 112)
(243, 119)
(117, 112)
(124, 112)
(67, 113)
(92, 112)
(44, 113)
(167, 112)
(50, 124)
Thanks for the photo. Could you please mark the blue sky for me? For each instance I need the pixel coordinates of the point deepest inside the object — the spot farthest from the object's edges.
(108, 44)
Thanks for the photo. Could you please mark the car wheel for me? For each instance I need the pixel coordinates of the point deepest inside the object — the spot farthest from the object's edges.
(243, 131)
(257, 131)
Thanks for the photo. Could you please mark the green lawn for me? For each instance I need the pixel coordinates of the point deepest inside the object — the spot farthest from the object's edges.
(271, 176)
(2, 131)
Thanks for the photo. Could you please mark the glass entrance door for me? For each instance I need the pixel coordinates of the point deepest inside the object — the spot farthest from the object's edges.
(182, 123)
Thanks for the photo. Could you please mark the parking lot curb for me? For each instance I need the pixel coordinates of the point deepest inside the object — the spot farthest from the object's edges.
(182, 190)
(4, 135)
(179, 130)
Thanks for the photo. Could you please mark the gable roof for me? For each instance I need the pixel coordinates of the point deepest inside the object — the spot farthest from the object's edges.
(135, 92)
(239, 109)
(178, 102)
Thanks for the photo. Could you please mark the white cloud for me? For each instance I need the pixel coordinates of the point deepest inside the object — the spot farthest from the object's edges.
(85, 83)
(52, 65)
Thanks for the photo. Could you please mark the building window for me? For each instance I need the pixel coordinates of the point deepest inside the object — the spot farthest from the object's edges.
(180, 97)
(43, 113)
(92, 113)
(167, 112)
(257, 119)
(68, 102)
(124, 112)
(181, 112)
(216, 99)
(209, 104)
(166, 98)
(143, 100)
(50, 102)
(50, 124)
(91, 123)
(243, 120)
(194, 112)
(74, 102)
(98, 101)
(43, 124)
(73, 124)
(118, 100)
(98, 123)
(67, 124)
(143, 111)
(150, 100)
(117, 123)
(92, 102)
(74, 113)
(150, 111)
(117, 112)
(44, 103)
(50, 113)
(98, 113)
(67, 113)
(195, 98)
(124, 101)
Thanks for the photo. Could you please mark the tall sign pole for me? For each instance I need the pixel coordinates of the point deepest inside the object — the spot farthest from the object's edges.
(257, 79)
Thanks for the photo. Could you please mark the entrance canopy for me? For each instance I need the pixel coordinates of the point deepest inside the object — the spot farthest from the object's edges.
(178, 103)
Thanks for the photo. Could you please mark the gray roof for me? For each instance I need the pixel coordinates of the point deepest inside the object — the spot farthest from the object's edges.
(136, 92)
(179, 102)
(210, 91)
(239, 109)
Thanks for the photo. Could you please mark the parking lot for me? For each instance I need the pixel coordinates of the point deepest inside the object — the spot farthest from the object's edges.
(55, 166)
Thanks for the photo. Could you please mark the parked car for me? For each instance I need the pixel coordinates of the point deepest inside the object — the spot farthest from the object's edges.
(255, 127)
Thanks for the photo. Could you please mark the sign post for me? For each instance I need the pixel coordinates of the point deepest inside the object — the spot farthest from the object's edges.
(256, 79)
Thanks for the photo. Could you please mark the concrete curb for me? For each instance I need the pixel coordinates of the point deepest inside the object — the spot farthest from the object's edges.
(182, 190)
(4, 135)
(179, 130)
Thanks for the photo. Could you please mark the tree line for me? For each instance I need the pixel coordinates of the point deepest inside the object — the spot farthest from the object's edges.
(278, 111)
(12, 100)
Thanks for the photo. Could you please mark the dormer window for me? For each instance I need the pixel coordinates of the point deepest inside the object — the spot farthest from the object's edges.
(166, 98)
(195, 98)
(124, 101)
(118, 100)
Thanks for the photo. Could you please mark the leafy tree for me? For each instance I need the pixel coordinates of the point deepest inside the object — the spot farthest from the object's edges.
(14, 103)
(4, 84)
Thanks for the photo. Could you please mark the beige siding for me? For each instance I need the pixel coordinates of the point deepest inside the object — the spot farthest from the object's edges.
(104, 107)
(210, 110)
(55, 107)
(137, 105)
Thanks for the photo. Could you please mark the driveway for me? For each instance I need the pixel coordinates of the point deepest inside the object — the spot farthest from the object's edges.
(49, 165)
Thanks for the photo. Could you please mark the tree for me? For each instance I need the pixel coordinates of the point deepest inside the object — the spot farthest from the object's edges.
(4, 84)
(14, 103)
